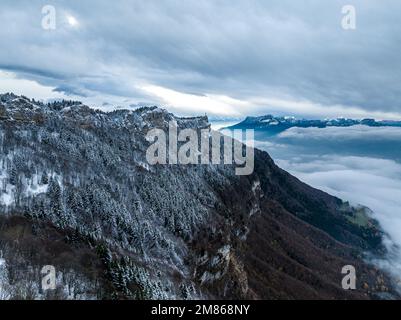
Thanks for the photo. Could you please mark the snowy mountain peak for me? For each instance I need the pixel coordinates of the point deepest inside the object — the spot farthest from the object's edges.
(275, 124)
(15, 108)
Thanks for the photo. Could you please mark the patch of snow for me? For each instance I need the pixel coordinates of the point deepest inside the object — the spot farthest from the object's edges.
(225, 251)
(7, 191)
(7, 199)
(4, 283)
(66, 109)
(144, 165)
(35, 187)
(255, 186)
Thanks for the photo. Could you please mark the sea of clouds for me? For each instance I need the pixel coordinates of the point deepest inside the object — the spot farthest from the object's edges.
(359, 164)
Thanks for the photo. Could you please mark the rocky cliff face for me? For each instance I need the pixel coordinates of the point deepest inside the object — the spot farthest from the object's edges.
(77, 193)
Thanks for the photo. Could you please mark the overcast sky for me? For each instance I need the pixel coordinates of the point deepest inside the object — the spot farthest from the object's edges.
(229, 58)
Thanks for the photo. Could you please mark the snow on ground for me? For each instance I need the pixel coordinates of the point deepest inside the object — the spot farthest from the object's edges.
(7, 198)
(35, 187)
(7, 191)
(30, 187)
(4, 294)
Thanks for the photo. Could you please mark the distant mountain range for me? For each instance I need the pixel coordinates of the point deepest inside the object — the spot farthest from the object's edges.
(275, 125)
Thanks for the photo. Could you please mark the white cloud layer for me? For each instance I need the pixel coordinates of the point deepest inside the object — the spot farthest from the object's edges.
(343, 133)
(363, 167)
(375, 183)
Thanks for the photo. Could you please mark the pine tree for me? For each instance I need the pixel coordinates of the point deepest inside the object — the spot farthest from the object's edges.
(13, 174)
(56, 202)
(44, 179)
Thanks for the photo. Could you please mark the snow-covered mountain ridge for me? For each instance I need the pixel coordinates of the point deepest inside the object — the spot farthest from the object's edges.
(77, 193)
(273, 124)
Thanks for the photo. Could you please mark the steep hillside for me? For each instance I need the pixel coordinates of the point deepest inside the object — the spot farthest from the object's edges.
(78, 193)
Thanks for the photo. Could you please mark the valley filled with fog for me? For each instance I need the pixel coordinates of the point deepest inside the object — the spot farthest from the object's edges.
(359, 164)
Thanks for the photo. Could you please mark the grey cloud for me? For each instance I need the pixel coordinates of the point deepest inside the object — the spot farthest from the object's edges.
(242, 49)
